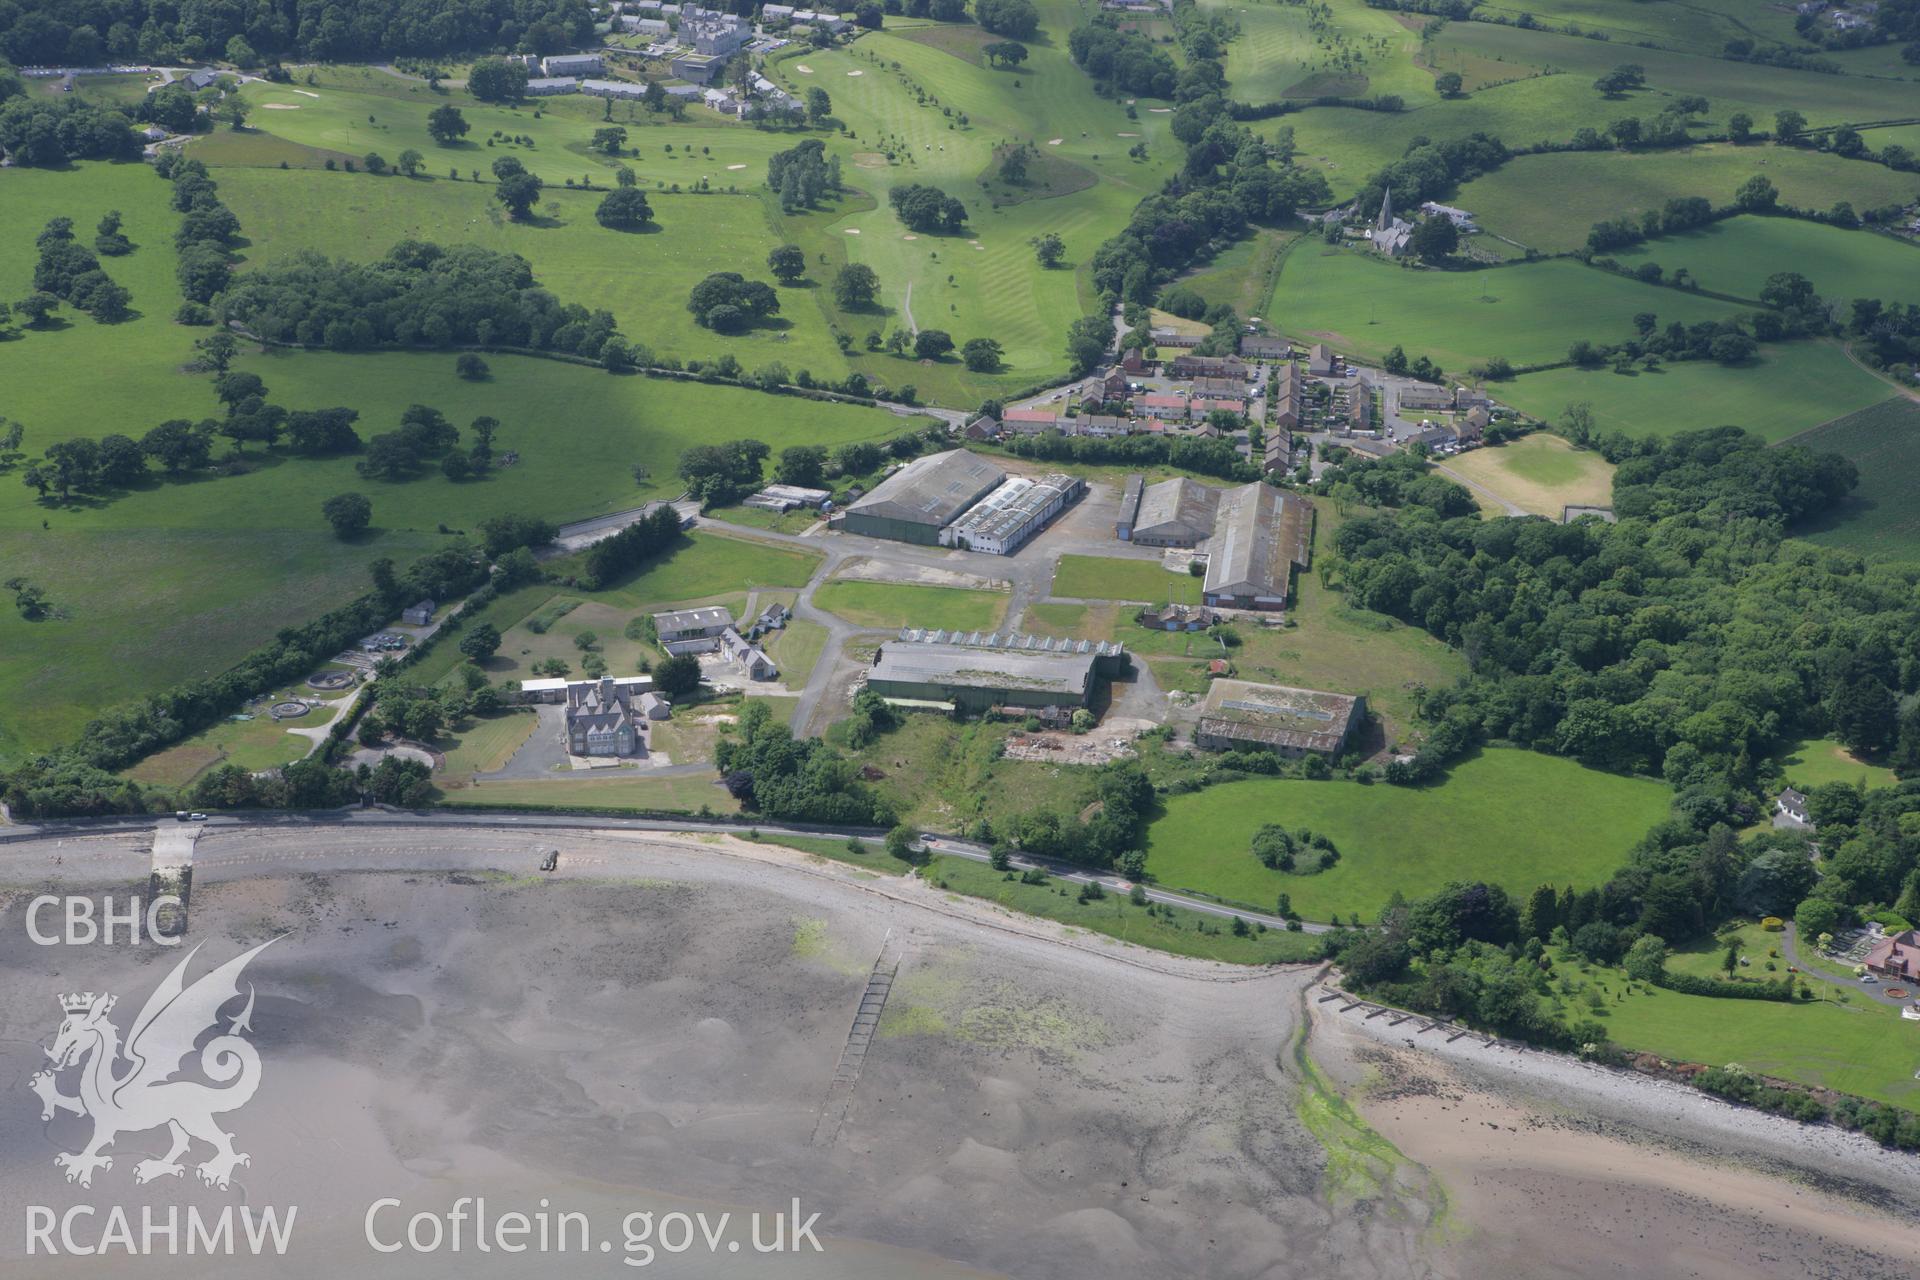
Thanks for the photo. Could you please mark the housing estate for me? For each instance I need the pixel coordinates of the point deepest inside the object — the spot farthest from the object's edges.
(1241, 715)
(972, 672)
(1188, 365)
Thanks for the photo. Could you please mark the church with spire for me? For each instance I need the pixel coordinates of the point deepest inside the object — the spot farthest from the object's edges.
(1390, 234)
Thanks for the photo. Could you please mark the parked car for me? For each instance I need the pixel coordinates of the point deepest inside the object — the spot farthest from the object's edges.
(196, 817)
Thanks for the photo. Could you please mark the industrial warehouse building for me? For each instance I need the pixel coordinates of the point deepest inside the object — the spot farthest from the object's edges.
(920, 499)
(975, 672)
(1173, 513)
(1239, 715)
(1000, 523)
(959, 499)
(1260, 535)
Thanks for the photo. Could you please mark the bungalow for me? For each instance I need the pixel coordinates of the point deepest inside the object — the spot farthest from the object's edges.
(654, 707)
(750, 657)
(776, 12)
(1896, 956)
(1320, 360)
(1792, 805)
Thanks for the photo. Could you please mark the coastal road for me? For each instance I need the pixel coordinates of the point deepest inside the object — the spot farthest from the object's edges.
(19, 839)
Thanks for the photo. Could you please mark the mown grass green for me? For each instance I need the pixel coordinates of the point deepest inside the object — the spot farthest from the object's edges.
(1515, 818)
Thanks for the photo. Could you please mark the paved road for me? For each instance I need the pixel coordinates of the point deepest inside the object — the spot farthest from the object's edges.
(1790, 950)
(19, 840)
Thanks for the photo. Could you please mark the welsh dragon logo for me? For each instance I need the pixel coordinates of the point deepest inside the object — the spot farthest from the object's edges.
(144, 1094)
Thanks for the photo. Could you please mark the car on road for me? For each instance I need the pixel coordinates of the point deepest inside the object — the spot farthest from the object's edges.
(196, 817)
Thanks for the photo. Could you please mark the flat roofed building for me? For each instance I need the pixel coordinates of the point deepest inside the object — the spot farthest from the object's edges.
(972, 672)
(1238, 715)
(1002, 522)
(786, 497)
(916, 502)
(547, 86)
(1175, 513)
(1260, 534)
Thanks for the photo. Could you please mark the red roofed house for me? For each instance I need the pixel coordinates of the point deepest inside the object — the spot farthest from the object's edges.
(1897, 956)
(1160, 405)
(1029, 421)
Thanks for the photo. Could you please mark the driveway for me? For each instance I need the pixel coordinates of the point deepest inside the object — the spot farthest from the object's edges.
(1790, 949)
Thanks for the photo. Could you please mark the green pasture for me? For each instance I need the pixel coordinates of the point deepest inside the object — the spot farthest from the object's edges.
(1694, 27)
(1551, 201)
(1737, 256)
(1358, 53)
(642, 278)
(1813, 762)
(1881, 518)
(710, 564)
(1515, 818)
(1790, 387)
(1114, 578)
(1861, 1047)
(1530, 313)
(899, 604)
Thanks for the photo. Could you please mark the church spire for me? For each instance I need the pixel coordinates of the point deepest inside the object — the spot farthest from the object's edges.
(1386, 210)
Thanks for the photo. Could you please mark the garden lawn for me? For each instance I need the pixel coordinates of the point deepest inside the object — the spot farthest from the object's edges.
(1114, 578)
(1512, 817)
(1789, 387)
(1180, 931)
(1551, 201)
(483, 744)
(796, 648)
(1530, 312)
(1862, 1047)
(1737, 255)
(1813, 762)
(1881, 517)
(892, 605)
(1540, 472)
(678, 793)
(259, 743)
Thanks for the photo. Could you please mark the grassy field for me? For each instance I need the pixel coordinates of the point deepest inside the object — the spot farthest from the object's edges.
(1180, 931)
(1242, 275)
(1540, 472)
(259, 743)
(1882, 516)
(943, 776)
(891, 605)
(678, 793)
(483, 744)
(1529, 313)
(710, 562)
(1815, 761)
(1861, 1047)
(1512, 817)
(1592, 186)
(1356, 52)
(1791, 387)
(1551, 95)
(797, 649)
(1737, 256)
(1113, 578)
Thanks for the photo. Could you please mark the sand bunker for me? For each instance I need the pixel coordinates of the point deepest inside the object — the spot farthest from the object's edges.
(1160, 111)
(1129, 135)
(306, 93)
(1054, 142)
(803, 68)
(909, 237)
(736, 166)
(856, 73)
(853, 231)
(280, 106)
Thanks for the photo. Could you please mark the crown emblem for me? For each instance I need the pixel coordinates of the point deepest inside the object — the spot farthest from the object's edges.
(78, 1002)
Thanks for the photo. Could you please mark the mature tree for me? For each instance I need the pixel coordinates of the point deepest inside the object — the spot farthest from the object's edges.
(471, 367)
(236, 110)
(678, 676)
(855, 286)
(37, 308)
(1434, 239)
(609, 138)
(497, 80)
(803, 465)
(411, 162)
(1757, 194)
(1013, 167)
(1732, 348)
(481, 641)
(178, 445)
(348, 513)
(1448, 84)
(1622, 78)
(1048, 249)
(375, 162)
(624, 209)
(120, 462)
(447, 125)
(788, 262)
(1005, 53)
(1740, 126)
(1788, 124)
(519, 192)
(727, 302)
(982, 355)
(927, 208)
(931, 344)
(1014, 18)
(819, 105)
(317, 433)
